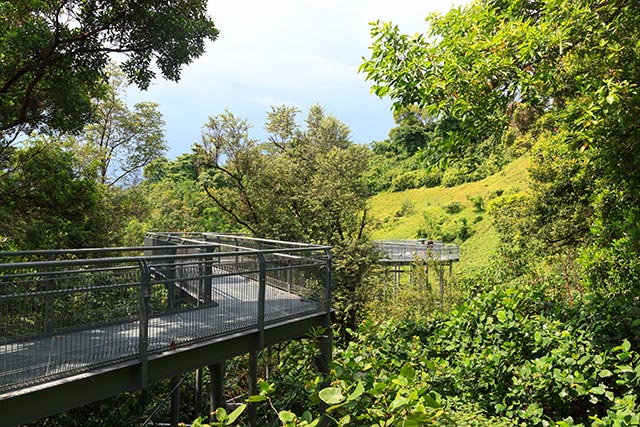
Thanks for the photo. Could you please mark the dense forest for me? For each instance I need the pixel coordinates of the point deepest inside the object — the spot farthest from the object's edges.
(542, 327)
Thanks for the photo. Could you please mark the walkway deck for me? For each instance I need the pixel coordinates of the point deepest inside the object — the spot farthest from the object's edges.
(408, 251)
(68, 336)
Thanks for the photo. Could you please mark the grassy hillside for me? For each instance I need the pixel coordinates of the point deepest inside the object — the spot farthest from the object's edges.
(455, 211)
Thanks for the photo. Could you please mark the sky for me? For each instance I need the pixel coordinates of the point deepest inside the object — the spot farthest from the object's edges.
(293, 52)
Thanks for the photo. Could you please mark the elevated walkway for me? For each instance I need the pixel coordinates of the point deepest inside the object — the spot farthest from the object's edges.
(81, 325)
(400, 258)
(409, 251)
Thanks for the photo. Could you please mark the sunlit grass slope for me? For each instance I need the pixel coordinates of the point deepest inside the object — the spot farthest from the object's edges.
(402, 214)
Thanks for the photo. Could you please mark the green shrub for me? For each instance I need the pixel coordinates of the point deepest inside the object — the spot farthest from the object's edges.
(407, 208)
(453, 176)
(505, 357)
(453, 208)
(407, 180)
(433, 177)
(477, 202)
(456, 231)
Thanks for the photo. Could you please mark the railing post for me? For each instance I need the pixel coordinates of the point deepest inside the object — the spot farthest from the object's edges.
(289, 273)
(143, 333)
(235, 248)
(49, 301)
(171, 284)
(328, 281)
(208, 276)
(262, 294)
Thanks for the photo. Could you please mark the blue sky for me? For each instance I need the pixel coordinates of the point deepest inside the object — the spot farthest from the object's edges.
(293, 52)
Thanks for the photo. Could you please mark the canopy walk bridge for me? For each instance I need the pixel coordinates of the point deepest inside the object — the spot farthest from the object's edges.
(408, 251)
(400, 257)
(77, 326)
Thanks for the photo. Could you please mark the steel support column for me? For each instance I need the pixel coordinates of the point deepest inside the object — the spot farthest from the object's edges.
(175, 401)
(198, 398)
(216, 388)
(253, 386)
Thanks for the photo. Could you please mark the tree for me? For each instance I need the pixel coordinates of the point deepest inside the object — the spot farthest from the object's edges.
(576, 65)
(54, 53)
(314, 175)
(121, 142)
(174, 201)
(304, 184)
(49, 200)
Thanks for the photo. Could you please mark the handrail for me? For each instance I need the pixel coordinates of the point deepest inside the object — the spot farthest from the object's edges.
(199, 245)
(83, 261)
(63, 317)
(409, 250)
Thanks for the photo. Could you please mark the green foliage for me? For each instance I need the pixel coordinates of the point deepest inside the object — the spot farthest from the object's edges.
(561, 77)
(407, 180)
(305, 185)
(394, 170)
(406, 139)
(222, 418)
(560, 210)
(453, 208)
(49, 200)
(478, 203)
(453, 176)
(415, 294)
(505, 357)
(54, 54)
(457, 231)
(407, 208)
(175, 200)
(121, 142)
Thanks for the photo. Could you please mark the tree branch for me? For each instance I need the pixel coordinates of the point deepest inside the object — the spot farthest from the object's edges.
(229, 211)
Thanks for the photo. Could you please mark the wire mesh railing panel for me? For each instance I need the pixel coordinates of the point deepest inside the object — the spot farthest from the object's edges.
(57, 320)
(296, 285)
(208, 295)
(409, 250)
(295, 274)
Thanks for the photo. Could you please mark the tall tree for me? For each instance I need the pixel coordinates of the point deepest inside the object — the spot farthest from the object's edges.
(304, 184)
(122, 142)
(54, 53)
(49, 200)
(174, 201)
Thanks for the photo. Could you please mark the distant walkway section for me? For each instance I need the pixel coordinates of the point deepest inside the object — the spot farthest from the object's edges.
(408, 251)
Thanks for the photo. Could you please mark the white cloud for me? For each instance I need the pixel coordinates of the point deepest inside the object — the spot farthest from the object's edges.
(294, 52)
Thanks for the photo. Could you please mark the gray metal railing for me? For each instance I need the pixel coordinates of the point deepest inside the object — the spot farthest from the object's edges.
(410, 250)
(67, 312)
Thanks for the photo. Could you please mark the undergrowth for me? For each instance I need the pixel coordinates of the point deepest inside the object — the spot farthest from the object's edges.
(506, 357)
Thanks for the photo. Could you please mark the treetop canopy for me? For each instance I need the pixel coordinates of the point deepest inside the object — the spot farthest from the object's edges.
(54, 53)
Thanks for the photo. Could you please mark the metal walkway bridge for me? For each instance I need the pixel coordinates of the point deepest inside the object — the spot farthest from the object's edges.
(78, 326)
(400, 257)
(408, 251)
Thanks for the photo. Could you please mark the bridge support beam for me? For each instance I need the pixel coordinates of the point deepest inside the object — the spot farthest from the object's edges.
(253, 386)
(323, 364)
(175, 401)
(441, 276)
(216, 389)
(198, 399)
